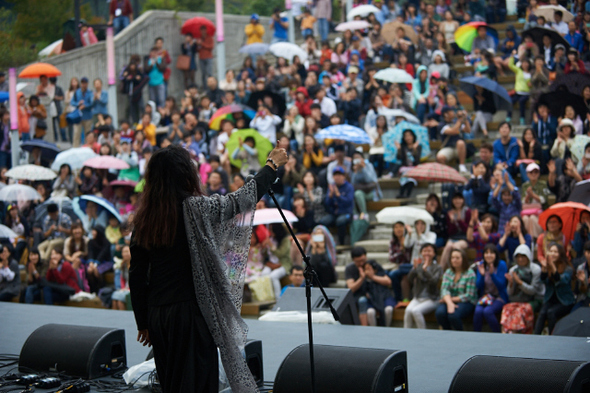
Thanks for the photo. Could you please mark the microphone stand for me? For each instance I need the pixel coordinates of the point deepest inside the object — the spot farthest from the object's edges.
(309, 274)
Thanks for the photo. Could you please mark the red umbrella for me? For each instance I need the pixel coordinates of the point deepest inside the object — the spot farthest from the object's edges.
(569, 212)
(38, 69)
(434, 172)
(106, 162)
(193, 26)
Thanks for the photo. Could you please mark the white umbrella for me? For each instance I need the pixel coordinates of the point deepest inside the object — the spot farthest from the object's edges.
(394, 75)
(49, 49)
(31, 172)
(288, 51)
(272, 216)
(362, 11)
(19, 192)
(405, 214)
(6, 232)
(547, 11)
(393, 113)
(74, 157)
(353, 25)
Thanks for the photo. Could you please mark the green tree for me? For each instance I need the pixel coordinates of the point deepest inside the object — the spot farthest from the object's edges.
(180, 5)
(40, 21)
(13, 50)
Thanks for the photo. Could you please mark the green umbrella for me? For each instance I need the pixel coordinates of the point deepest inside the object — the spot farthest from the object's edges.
(139, 186)
(263, 145)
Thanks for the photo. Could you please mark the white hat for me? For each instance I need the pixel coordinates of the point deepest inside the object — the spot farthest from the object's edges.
(532, 166)
(564, 123)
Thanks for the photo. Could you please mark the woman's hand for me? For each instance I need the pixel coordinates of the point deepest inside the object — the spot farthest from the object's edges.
(451, 308)
(279, 156)
(143, 336)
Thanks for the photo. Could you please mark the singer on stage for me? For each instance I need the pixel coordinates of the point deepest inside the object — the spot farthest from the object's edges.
(188, 257)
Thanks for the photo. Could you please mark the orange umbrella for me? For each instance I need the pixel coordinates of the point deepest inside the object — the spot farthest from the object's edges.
(569, 212)
(38, 69)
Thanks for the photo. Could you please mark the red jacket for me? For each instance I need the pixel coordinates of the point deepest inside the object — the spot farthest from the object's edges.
(305, 106)
(126, 8)
(67, 276)
(568, 67)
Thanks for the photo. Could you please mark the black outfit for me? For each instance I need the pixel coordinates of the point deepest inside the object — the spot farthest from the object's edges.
(488, 105)
(305, 223)
(164, 303)
(481, 191)
(323, 266)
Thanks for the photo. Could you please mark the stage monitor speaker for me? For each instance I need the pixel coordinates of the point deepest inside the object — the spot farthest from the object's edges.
(253, 351)
(79, 351)
(342, 300)
(343, 370)
(492, 374)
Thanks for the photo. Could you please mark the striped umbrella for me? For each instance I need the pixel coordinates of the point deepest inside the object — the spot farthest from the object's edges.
(346, 133)
(435, 172)
(225, 112)
(465, 34)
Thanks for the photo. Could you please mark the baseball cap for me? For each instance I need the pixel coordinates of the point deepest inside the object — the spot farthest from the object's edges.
(532, 166)
(84, 80)
(256, 17)
(338, 169)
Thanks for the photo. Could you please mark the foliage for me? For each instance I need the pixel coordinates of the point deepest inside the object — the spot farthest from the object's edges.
(13, 51)
(40, 21)
(180, 5)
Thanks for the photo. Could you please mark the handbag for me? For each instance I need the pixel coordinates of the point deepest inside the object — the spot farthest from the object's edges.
(74, 117)
(63, 122)
(183, 62)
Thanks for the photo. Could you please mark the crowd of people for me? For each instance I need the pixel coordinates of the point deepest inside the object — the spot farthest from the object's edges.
(520, 267)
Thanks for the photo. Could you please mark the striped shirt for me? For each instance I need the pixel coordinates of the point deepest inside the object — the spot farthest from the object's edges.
(464, 288)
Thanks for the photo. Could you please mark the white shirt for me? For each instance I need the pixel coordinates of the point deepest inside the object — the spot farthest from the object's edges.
(328, 106)
(560, 27)
(267, 126)
(547, 52)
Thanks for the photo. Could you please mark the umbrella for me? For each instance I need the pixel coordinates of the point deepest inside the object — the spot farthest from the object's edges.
(4, 96)
(389, 32)
(581, 193)
(288, 51)
(395, 135)
(391, 114)
(569, 212)
(574, 82)
(556, 101)
(106, 162)
(52, 49)
(74, 157)
(38, 69)
(263, 145)
(278, 105)
(272, 216)
(435, 172)
(345, 132)
(501, 97)
(123, 183)
(193, 26)
(353, 25)
(465, 34)
(547, 11)
(576, 324)
(580, 142)
(257, 48)
(394, 75)
(539, 32)
(101, 202)
(31, 172)
(64, 205)
(362, 11)
(224, 112)
(6, 232)
(48, 150)
(19, 192)
(407, 215)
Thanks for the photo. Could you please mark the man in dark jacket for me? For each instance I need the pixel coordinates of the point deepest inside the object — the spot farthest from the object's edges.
(339, 202)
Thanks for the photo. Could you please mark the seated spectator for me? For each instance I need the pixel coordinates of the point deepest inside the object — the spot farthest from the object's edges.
(248, 154)
(525, 291)
(350, 105)
(439, 64)
(302, 101)
(293, 127)
(570, 113)
(506, 200)
(483, 41)
(377, 150)
(491, 287)
(457, 219)
(522, 86)
(215, 184)
(296, 277)
(265, 123)
(64, 184)
(439, 227)
(458, 292)
(582, 285)
(279, 247)
(510, 43)
(339, 160)
(409, 153)
(400, 253)
(530, 149)
(113, 233)
(120, 296)
(147, 128)
(131, 158)
(9, 275)
(19, 225)
(553, 234)
(56, 227)
(453, 145)
(557, 63)
(515, 234)
(424, 278)
(417, 237)
(559, 25)
(561, 149)
(534, 199)
(556, 274)
(370, 286)
(484, 106)
(313, 155)
(420, 91)
(99, 258)
(339, 203)
(545, 129)
(36, 271)
(255, 267)
(323, 251)
(479, 186)
(62, 281)
(574, 38)
(365, 183)
(481, 233)
(539, 79)
(582, 235)
(76, 246)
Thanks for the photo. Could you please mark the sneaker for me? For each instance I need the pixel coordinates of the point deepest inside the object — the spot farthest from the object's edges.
(463, 168)
(522, 122)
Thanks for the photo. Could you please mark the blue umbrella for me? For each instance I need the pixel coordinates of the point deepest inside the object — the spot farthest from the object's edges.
(101, 202)
(501, 97)
(395, 135)
(48, 150)
(3, 96)
(257, 48)
(346, 133)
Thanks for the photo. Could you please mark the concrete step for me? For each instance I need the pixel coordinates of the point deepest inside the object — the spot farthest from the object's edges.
(381, 245)
(380, 232)
(383, 203)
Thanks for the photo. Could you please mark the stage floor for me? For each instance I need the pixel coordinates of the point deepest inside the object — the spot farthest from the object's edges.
(433, 355)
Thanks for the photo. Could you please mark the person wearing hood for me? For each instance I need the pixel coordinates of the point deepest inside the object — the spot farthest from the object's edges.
(302, 101)
(510, 43)
(439, 64)
(525, 293)
(420, 92)
(418, 237)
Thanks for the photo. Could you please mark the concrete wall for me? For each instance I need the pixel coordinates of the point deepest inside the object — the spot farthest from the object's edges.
(139, 37)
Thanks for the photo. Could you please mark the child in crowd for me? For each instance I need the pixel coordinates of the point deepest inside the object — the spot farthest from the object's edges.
(307, 23)
(113, 233)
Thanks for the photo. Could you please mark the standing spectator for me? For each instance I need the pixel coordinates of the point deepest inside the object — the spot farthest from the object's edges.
(307, 23)
(163, 53)
(522, 86)
(58, 99)
(5, 160)
(37, 119)
(323, 12)
(506, 149)
(24, 126)
(155, 67)
(420, 91)
(279, 24)
(206, 45)
(254, 31)
(458, 293)
(534, 199)
(453, 145)
(491, 287)
(9, 275)
(99, 103)
(46, 93)
(545, 128)
(120, 14)
(339, 202)
(559, 25)
(189, 48)
(507, 201)
(266, 123)
(87, 36)
(133, 82)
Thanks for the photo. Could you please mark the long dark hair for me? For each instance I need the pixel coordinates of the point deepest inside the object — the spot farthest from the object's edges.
(171, 177)
(492, 247)
(72, 245)
(279, 232)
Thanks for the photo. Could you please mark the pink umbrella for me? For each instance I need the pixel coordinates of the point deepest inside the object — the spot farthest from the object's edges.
(123, 183)
(106, 162)
(353, 25)
(272, 216)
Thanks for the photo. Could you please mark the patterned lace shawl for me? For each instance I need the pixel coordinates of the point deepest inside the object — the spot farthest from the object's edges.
(218, 230)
